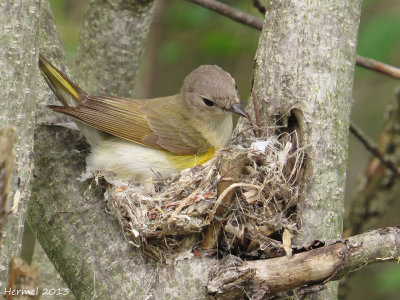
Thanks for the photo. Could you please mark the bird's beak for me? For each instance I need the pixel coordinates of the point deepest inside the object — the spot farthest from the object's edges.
(238, 109)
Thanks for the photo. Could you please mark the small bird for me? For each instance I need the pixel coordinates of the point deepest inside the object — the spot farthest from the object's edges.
(138, 140)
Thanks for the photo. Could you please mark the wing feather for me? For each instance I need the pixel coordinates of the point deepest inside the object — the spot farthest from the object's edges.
(139, 122)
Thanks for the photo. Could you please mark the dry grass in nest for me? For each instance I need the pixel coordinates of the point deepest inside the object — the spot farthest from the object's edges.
(247, 192)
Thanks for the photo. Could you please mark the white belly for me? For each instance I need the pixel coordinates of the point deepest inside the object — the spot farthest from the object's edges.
(130, 161)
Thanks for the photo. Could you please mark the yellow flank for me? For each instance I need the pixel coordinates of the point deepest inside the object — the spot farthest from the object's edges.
(182, 162)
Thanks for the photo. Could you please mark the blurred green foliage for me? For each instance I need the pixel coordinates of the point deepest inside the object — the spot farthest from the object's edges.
(69, 15)
(380, 37)
(368, 2)
(187, 18)
(388, 281)
(187, 36)
(171, 52)
(184, 36)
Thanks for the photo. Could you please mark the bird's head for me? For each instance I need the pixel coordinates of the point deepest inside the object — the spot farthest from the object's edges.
(211, 89)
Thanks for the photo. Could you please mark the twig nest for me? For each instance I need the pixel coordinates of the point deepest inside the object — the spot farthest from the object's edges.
(240, 201)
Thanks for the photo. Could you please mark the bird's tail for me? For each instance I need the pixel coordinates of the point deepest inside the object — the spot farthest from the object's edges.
(66, 91)
(69, 94)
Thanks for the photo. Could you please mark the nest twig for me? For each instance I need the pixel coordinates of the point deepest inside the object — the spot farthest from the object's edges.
(246, 195)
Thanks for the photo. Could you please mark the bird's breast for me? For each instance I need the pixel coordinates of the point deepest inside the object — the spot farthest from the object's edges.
(134, 162)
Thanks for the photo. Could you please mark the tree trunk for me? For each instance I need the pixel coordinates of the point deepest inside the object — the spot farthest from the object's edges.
(83, 241)
(304, 65)
(7, 140)
(111, 45)
(304, 71)
(49, 277)
(18, 75)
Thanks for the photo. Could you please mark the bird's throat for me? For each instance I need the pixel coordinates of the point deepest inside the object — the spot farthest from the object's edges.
(217, 129)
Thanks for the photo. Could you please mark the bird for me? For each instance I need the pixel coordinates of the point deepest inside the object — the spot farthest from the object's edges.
(139, 140)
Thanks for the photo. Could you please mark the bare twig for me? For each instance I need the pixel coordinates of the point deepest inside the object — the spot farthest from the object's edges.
(231, 12)
(359, 134)
(378, 66)
(261, 8)
(231, 171)
(331, 262)
(376, 196)
(254, 22)
(256, 112)
(371, 64)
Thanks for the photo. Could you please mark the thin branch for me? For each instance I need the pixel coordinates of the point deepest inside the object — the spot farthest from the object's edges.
(378, 66)
(268, 277)
(254, 22)
(231, 12)
(256, 112)
(363, 138)
(371, 64)
(261, 8)
(374, 198)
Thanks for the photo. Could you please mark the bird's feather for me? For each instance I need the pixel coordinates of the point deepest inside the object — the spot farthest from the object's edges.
(138, 122)
(65, 90)
(156, 123)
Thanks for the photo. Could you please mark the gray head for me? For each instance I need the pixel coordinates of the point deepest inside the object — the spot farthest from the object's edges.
(210, 88)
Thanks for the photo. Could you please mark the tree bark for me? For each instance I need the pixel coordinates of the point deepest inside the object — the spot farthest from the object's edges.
(49, 277)
(311, 78)
(18, 74)
(7, 140)
(69, 217)
(304, 69)
(275, 276)
(111, 44)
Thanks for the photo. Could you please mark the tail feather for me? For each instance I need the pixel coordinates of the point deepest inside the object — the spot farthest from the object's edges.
(66, 91)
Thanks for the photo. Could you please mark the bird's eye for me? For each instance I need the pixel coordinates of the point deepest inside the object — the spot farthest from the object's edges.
(208, 102)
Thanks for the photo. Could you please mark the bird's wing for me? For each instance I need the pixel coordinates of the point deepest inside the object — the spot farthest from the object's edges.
(139, 122)
(172, 129)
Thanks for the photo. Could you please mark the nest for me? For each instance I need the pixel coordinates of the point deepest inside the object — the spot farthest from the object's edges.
(240, 202)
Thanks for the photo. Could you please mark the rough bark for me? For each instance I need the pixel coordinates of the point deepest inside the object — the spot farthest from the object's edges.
(270, 277)
(86, 244)
(70, 218)
(304, 68)
(49, 277)
(7, 140)
(18, 73)
(111, 45)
